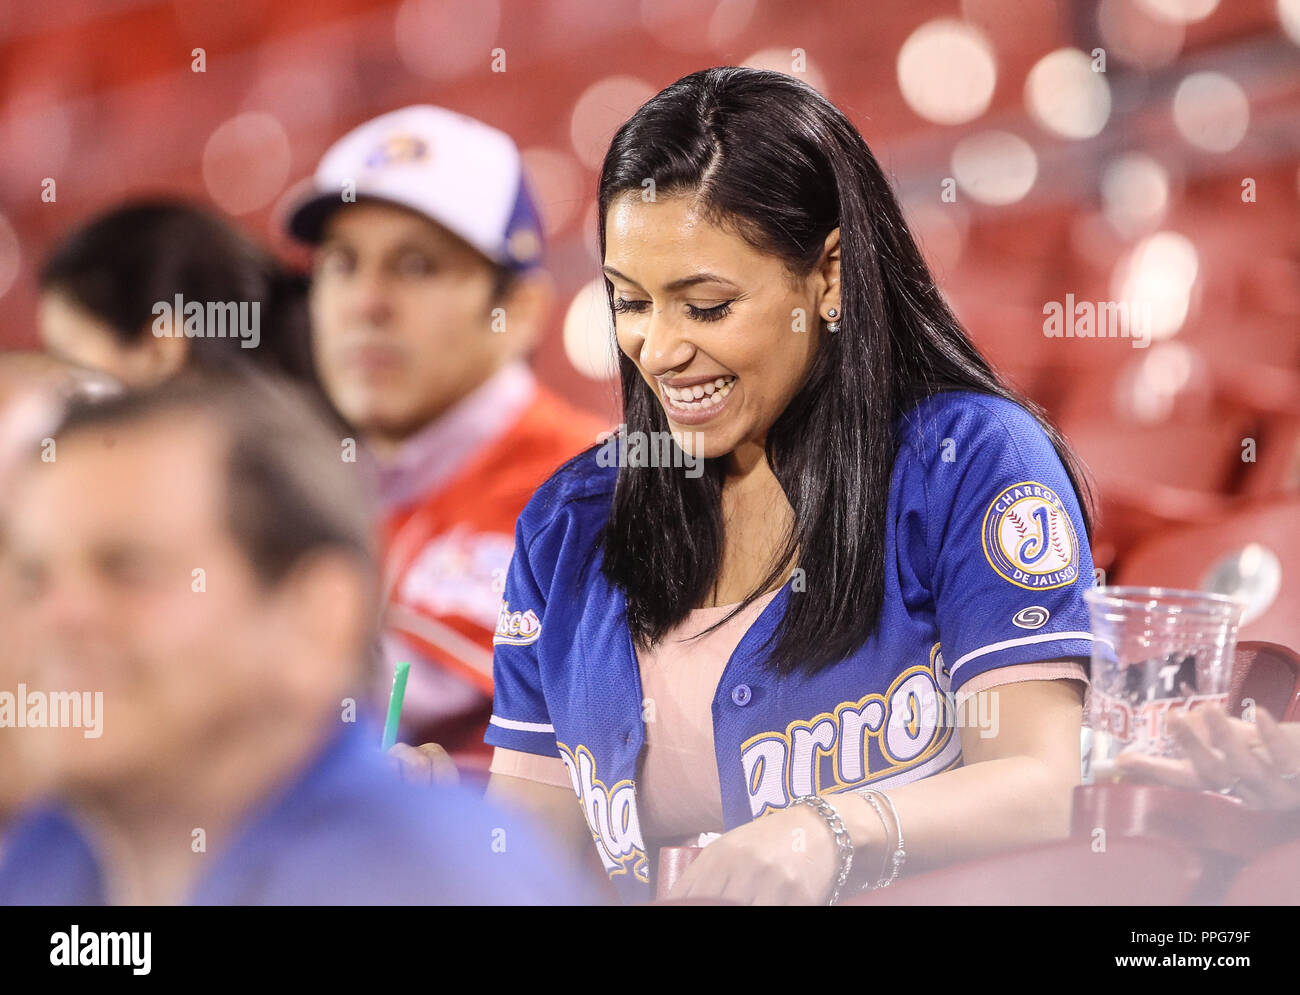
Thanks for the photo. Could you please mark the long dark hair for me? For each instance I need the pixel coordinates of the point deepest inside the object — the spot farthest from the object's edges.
(770, 157)
(122, 262)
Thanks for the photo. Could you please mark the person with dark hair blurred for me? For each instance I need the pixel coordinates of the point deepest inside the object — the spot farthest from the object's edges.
(203, 625)
(427, 296)
(156, 286)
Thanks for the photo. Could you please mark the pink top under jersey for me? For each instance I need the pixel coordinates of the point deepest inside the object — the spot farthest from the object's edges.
(678, 793)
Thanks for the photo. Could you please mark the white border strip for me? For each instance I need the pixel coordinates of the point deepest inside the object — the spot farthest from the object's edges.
(440, 635)
(496, 720)
(1041, 637)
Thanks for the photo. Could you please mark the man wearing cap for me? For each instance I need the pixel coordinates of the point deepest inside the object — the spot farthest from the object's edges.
(427, 296)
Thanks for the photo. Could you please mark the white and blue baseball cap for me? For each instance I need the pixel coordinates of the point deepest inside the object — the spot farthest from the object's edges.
(459, 172)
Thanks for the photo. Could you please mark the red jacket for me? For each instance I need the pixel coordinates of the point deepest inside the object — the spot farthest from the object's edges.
(446, 558)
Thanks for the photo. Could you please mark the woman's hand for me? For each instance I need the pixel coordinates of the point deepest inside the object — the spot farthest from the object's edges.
(787, 857)
(1259, 761)
(427, 764)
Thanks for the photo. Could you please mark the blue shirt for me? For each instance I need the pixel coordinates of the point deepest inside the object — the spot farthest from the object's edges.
(986, 562)
(345, 832)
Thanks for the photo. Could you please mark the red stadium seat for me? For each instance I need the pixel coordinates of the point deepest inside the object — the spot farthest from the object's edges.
(1167, 383)
(1132, 512)
(1151, 477)
(1162, 441)
(1068, 872)
(1272, 878)
(1269, 675)
(1271, 284)
(1264, 537)
(1268, 390)
(1222, 830)
(1200, 457)
(1203, 820)
(1251, 339)
(1276, 472)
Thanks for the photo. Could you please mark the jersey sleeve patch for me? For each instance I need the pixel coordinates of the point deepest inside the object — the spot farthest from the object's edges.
(1029, 538)
(516, 628)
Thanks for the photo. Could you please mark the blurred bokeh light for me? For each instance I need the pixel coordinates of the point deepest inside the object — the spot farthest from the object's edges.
(1211, 111)
(1066, 95)
(947, 72)
(995, 167)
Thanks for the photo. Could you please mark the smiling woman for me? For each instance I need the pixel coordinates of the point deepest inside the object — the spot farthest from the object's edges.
(742, 290)
(759, 648)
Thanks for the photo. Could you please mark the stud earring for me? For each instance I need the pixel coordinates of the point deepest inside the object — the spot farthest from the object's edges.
(832, 326)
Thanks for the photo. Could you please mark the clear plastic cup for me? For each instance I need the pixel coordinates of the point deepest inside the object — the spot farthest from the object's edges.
(1155, 652)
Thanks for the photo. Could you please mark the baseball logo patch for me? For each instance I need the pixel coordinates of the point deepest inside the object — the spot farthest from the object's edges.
(1029, 539)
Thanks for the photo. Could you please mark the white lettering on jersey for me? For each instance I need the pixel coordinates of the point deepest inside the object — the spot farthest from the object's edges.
(913, 718)
(516, 628)
(763, 758)
(909, 723)
(809, 745)
(856, 723)
(611, 815)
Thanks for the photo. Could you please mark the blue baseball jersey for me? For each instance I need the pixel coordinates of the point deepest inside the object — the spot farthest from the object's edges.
(986, 562)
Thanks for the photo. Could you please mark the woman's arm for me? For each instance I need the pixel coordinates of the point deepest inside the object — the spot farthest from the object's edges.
(1015, 789)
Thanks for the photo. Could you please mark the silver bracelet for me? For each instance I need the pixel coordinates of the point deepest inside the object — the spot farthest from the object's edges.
(899, 855)
(896, 859)
(843, 845)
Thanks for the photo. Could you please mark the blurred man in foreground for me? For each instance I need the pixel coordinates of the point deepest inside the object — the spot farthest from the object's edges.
(427, 295)
(33, 387)
(200, 630)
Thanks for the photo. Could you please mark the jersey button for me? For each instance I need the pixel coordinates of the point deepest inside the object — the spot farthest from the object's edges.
(741, 694)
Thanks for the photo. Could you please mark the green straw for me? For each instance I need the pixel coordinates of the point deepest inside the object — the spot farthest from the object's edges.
(395, 704)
